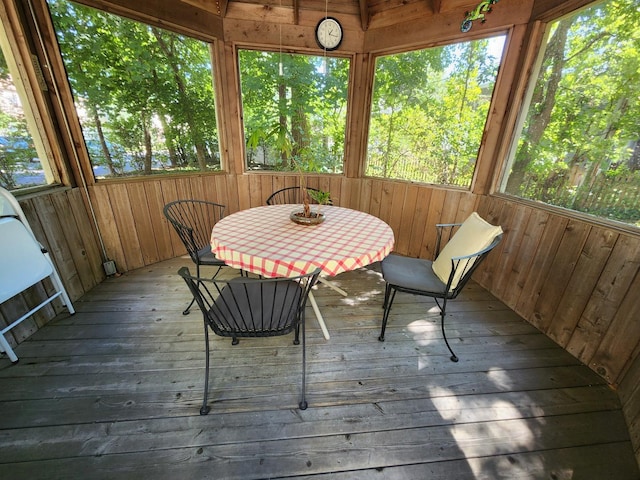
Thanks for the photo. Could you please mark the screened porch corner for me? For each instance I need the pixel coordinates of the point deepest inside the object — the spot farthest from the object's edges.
(114, 392)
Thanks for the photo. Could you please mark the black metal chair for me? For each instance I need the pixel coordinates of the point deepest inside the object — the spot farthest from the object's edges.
(291, 195)
(252, 307)
(467, 245)
(193, 220)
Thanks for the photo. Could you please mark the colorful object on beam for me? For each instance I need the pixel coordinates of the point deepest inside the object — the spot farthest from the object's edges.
(477, 13)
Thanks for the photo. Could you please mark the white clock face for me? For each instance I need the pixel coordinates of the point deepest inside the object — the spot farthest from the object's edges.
(329, 33)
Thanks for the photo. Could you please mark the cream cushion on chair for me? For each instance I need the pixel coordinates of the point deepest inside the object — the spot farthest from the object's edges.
(474, 234)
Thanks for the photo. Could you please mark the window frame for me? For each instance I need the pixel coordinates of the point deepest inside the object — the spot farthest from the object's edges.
(74, 135)
(30, 83)
(492, 112)
(523, 87)
(240, 46)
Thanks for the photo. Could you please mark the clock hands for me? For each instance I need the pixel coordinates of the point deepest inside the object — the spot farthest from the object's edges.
(329, 33)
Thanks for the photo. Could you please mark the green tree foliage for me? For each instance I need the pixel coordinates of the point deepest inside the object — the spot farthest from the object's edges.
(145, 95)
(428, 112)
(16, 145)
(577, 146)
(294, 110)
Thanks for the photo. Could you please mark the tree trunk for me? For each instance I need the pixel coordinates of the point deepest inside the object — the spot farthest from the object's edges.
(196, 134)
(543, 101)
(169, 142)
(148, 149)
(299, 128)
(103, 144)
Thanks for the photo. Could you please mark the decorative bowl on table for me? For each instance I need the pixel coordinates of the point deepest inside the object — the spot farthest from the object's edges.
(297, 216)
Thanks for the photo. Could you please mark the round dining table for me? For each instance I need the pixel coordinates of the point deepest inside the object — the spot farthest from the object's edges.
(263, 240)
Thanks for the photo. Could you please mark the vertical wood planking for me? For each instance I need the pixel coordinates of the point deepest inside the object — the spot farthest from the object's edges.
(338, 187)
(82, 274)
(220, 192)
(584, 279)
(243, 188)
(90, 242)
(505, 254)
(629, 392)
(419, 221)
(143, 225)
(541, 266)
(162, 230)
(434, 216)
(364, 200)
(54, 237)
(621, 342)
(126, 226)
(395, 207)
(529, 240)
(376, 198)
(562, 269)
(450, 207)
(613, 286)
(407, 218)
(170, 194)
(60, 222)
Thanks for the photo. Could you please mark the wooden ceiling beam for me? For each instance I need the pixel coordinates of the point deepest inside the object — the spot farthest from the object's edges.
(364, 14)
(218, 7)
(222, 7)
(296, 12)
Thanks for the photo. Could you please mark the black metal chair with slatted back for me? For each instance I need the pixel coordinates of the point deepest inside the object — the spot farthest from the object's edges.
(467, 245)
(252, 307)
(193, 221)
(292, 195)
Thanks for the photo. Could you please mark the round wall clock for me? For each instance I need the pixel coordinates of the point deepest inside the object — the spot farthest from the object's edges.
(329, 33)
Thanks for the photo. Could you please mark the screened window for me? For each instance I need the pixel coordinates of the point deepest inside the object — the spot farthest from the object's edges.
(579, 145)
(428, 112)
(23, 156)
(294, 110)
(144, 95)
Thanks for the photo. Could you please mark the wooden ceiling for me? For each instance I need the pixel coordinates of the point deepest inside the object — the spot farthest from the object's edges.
(372, 13)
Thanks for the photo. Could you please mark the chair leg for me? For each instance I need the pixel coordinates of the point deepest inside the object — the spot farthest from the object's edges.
(388, 301)
(303, 403)
(296, 338)
(204, 410)
(6, 348)
(186, 310)
(387, 290)
(453, 357)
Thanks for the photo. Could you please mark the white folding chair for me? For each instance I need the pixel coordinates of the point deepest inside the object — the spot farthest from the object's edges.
(23, 263)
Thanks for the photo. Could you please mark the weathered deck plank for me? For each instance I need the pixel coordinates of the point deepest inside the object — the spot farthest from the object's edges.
(115, 390)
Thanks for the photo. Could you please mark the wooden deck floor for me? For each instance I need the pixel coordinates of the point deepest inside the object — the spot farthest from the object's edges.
(114, 392)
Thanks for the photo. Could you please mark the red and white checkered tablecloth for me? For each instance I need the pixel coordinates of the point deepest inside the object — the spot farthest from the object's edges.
(263, 240)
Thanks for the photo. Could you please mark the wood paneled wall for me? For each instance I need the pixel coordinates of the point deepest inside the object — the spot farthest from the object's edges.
(60, 222)
(136, 234)
(574, 280)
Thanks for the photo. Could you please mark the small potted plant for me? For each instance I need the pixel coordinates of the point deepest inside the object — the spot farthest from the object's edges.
(321, 197)
(306, 216)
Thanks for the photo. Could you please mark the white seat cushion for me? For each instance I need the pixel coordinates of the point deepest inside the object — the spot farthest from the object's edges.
(474, 234)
